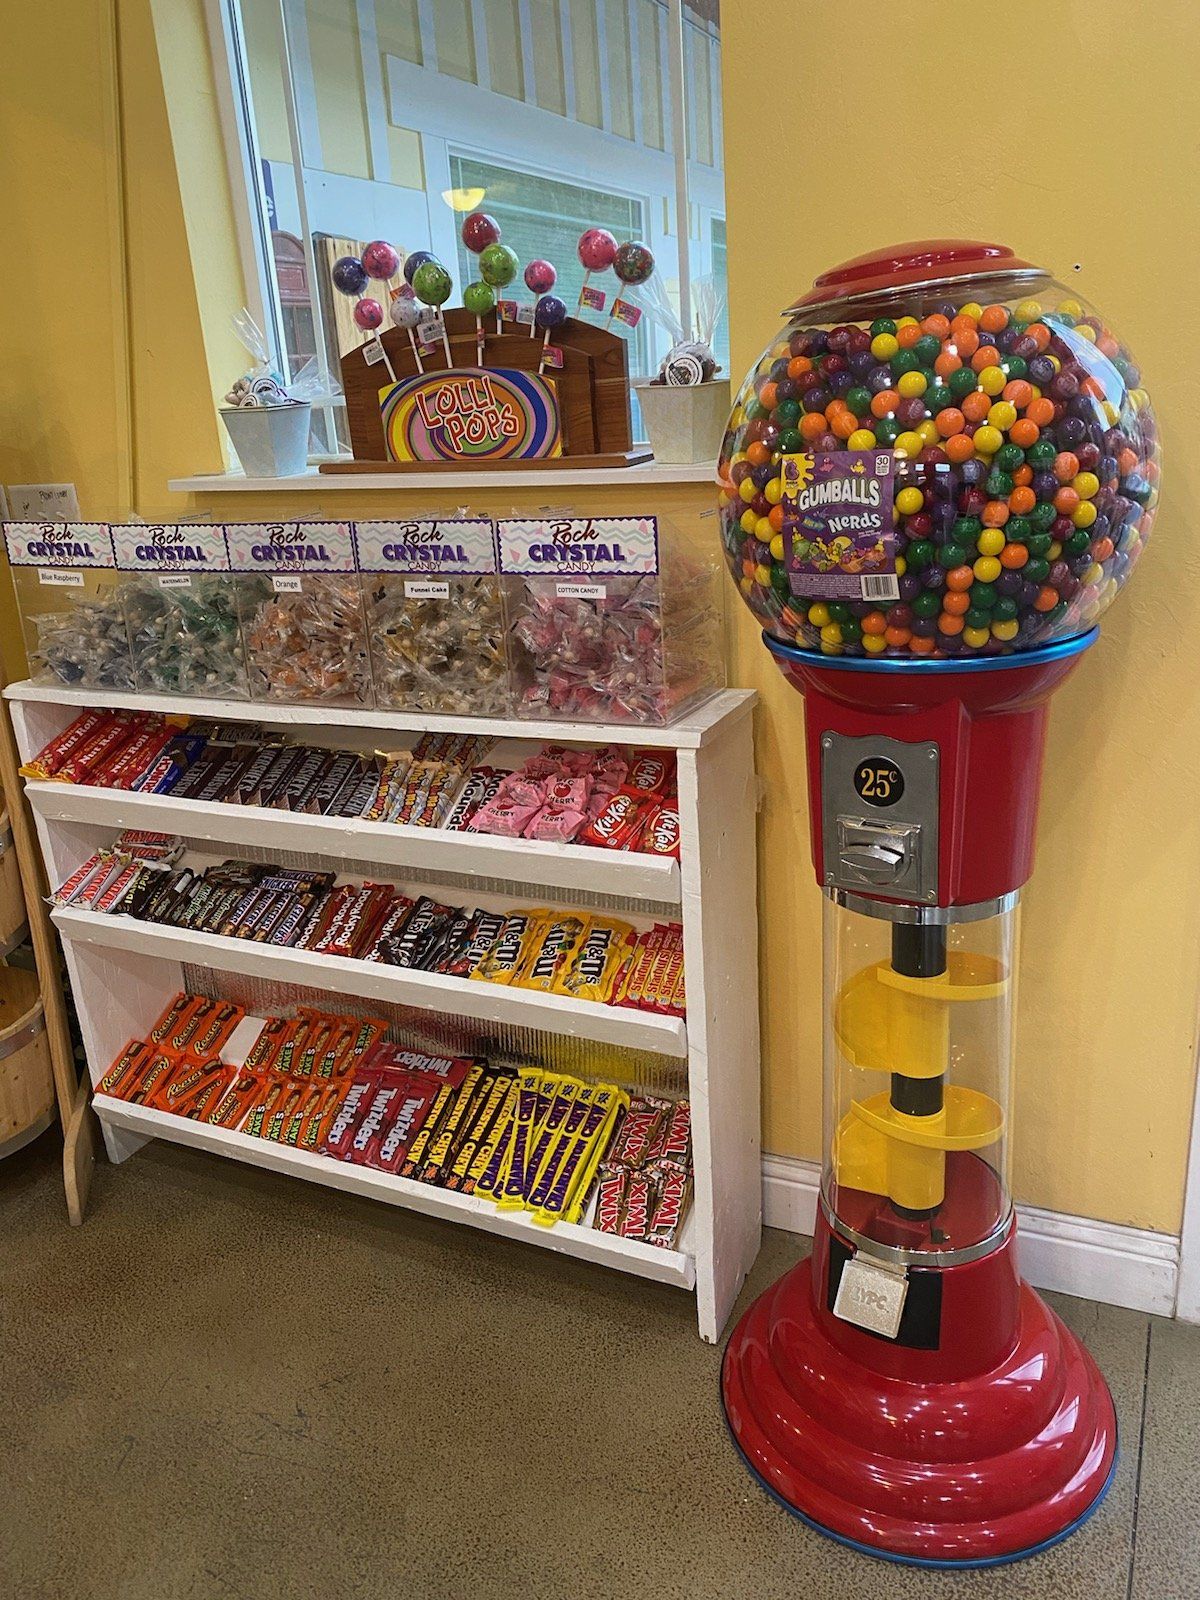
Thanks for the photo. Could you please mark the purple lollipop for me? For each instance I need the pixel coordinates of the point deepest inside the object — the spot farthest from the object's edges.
(550, 312)
(417, 259)
(349, 276)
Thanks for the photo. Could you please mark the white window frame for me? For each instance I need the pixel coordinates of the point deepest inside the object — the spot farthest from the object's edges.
(441, 132)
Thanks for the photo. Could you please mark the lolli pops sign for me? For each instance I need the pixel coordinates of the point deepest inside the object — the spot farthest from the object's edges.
(495, 415)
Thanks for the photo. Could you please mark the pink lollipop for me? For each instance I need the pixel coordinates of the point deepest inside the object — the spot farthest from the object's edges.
(368, 314)
(540, 278)
(597, 249)
(380, 260)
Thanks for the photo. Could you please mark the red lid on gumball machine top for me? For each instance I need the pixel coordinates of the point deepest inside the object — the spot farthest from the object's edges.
(922, 263)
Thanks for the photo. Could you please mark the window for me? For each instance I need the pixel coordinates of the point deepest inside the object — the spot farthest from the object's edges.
(358, 119)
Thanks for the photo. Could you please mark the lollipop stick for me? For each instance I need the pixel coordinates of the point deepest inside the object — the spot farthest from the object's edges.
(583, 286)
(545, 347)
(446, 344)
(387, 360)
(499, 318)
(533, 320)
(412, 339)
(479, 341)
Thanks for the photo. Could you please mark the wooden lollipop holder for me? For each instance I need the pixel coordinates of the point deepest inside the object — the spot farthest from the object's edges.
(592, 386)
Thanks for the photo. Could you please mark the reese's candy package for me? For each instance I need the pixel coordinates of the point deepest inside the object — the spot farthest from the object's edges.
(506, 960)
(234, 1104)
(126, 1069)
(597, 961)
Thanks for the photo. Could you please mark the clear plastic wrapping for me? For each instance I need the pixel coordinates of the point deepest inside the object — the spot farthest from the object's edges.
(301, 612)
(68, 594)
(610, 619)
(434, 615)
(181, 610)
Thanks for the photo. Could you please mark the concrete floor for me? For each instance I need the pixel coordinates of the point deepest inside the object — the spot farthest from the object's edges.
(229, 1384)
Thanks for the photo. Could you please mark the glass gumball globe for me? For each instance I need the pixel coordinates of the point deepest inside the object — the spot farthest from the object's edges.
(945, 453)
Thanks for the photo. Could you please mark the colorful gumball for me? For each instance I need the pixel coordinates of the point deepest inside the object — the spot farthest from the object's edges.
(597, 249)
(349, 276)
(479, 230)
(540, 277)
(498, 265)
(380, 260)
(368, 315)
(1015, 448)
(633, 263)
(418, 258)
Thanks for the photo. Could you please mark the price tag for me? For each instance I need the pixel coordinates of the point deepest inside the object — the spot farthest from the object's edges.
(581, 591)
(60, 578)
(174, 580)
(425, 589)
(373, 353)
(287, 582)
(872, 1296)
(429, 330)
(552, 356)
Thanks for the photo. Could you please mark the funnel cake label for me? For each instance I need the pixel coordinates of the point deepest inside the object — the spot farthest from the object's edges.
(838, 534)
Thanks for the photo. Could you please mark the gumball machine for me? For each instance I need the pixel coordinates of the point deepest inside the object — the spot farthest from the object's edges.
(933, 483)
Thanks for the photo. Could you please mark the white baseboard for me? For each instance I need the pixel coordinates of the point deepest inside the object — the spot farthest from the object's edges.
(1074, 1255)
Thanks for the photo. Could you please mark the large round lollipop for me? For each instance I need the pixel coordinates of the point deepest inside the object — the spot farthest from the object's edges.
(380, 260)
(406, 313)
(416, 259)
(479, 230)
(633, 262)
(549, 314)
(597, 248)
(498, 265)
(479, 299)
(349, 276)
(540, 278)
(432, 285)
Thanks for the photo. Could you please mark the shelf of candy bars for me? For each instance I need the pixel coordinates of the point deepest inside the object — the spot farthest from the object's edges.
(599, 958)
(551, 1145)
(611, 798)
(610, 620)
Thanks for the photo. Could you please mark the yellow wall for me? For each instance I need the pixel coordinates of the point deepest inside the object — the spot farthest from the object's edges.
(1101, 171)
(1112, 929)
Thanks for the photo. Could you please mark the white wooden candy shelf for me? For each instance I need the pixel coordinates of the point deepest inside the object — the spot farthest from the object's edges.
(123, 971)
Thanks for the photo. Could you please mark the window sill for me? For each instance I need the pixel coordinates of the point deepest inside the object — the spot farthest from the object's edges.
(653, 472)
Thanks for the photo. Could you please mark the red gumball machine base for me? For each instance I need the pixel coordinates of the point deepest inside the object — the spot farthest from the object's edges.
(990, 1448)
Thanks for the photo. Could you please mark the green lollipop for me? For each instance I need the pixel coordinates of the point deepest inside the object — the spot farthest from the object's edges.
(479, 298)
(498, 265)
(432, 283)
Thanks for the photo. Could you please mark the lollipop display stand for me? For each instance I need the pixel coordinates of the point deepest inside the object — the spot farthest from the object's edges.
(579, 412)
(903, 1390)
